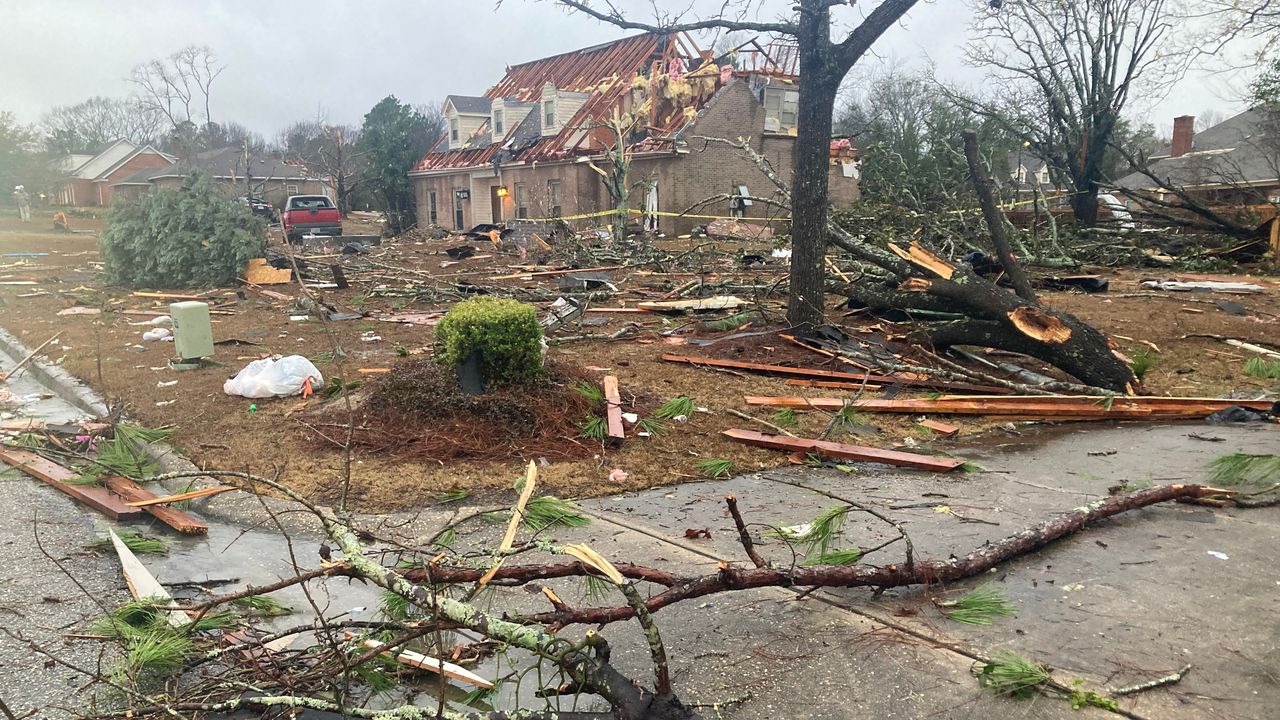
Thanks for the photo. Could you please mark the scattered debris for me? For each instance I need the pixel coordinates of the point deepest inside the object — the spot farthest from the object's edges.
(843, 451)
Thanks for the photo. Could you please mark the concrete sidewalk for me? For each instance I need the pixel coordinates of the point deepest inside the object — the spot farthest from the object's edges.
(1134, 598)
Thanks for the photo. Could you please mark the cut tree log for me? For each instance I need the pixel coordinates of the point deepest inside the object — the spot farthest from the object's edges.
(98, 498)
(613, 408)
(816, 374)
(844, 451)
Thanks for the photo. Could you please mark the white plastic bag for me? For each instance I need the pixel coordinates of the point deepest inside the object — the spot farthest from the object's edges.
(274, 377)
(160, 333)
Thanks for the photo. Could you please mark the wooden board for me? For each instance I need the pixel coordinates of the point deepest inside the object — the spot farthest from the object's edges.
(613, 408)
(259, 272)
(816, 374)
(132, 492)
(844, 451)
(142, 584)
(940, 428)
(833, 384)
(98, 498)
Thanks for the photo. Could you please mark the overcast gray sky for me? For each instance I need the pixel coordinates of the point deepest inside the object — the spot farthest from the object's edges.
(284, 60)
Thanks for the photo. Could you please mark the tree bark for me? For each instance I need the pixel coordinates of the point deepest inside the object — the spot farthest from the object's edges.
(820, 80)
(995, 220)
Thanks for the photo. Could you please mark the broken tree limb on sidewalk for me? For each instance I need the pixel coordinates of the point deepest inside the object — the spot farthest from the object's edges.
(817, 374)
(30, 356)
(1048, 407)
(844, 451)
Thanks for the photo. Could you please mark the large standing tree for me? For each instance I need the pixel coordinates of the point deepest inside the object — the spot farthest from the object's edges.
(180, 86)
(393, 138)
(1062, 73)
(99, 120)
(827, 54)
(22, 160)
(330, 150)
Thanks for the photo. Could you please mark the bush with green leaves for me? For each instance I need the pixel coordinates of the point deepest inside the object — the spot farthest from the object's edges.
(194, 236)
(505, 332)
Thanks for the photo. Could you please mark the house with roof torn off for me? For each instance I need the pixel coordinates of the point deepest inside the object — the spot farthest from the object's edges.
(524, 149)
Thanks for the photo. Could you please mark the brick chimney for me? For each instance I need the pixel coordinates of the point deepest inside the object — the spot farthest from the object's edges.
(1184, 131)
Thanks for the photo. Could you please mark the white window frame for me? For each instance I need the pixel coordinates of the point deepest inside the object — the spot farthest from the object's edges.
(553, 199)
(497, 123)
(549, 113)
(522, 201)
(454, 132)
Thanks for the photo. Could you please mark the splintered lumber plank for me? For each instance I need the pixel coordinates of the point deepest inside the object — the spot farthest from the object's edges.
(98, 498)
(844, 451)
(833, 384)
(422, 662)
(259, 272)
(132, 492)
(613, 408)
(193, 495)
(168, 296)
(1048, 406)
(940, 428)
(142, 584)
(816, 374)
(548, 273)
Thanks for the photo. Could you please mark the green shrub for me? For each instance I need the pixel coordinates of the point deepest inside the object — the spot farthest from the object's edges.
(506, 333)
(190, 237)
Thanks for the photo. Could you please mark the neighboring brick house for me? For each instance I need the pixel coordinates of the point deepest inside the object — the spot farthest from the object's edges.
(522, 149)
(92, 177)
(1236, 162)
(270, 178)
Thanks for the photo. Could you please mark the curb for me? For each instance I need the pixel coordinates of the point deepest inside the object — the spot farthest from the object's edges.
(59, 381)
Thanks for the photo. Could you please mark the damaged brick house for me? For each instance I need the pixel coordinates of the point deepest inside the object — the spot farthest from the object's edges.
(521, 150)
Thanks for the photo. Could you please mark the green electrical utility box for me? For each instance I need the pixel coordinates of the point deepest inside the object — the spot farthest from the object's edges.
(192, 331)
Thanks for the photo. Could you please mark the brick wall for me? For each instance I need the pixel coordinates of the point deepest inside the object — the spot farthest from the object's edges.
(683, 179)
(141, 161)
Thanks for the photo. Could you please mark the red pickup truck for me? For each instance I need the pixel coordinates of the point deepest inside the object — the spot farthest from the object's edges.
(310, 215)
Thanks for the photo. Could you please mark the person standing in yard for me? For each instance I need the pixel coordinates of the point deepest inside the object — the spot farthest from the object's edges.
(23, 200)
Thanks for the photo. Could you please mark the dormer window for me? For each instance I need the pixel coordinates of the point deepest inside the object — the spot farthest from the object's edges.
(454, 134)
(549, 113)
(498, 128)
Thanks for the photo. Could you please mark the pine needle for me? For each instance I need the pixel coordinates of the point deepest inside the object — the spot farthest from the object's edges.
(592, 392)
(651, 426)
(157, 651)
(819, 533)
(548, 511)
(833, 557)
(597, 589)
(1262, 368)
(679, 406)
(715, 468)
(139, 544)
(452, 496)
(263, 606)
(786, 417)
(849, 416)
(395, 606)
(1010, 674)
(593, 428)
(979, 606)
(1141, 361)
(1242, 468)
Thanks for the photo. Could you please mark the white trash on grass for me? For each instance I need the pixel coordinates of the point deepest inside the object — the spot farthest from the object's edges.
(274, 377)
